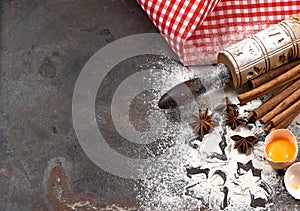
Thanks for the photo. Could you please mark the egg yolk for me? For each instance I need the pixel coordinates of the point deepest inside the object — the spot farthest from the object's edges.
(281, 150)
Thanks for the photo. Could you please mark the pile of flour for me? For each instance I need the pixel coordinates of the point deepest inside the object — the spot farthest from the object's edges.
(250, 183)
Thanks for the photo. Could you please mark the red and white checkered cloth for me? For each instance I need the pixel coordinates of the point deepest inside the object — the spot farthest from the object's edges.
(198, 29)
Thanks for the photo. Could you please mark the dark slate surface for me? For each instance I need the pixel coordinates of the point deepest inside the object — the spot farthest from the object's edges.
(44, 45)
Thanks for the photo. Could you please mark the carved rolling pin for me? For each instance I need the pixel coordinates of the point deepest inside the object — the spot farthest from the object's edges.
(271, 48)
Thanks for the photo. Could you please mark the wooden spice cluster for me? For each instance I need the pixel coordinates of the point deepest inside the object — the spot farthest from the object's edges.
(283, 107)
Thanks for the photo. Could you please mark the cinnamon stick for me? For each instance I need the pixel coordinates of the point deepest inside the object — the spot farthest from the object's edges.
(286, 122)
(283, 124)
(286, 114)
(268, 128)
(283, 88)
(256, 82)
(275, 83)
(251, 116)
(274, 101)
(281, 106)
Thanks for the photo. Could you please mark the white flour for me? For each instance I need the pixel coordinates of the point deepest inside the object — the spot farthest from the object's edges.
(169, 187)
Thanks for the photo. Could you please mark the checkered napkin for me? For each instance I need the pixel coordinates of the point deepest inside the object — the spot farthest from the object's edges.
(198, 29)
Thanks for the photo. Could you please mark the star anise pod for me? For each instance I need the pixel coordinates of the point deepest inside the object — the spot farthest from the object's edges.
(203, 123)
(229, 106)
(243, 143)
(232, 119)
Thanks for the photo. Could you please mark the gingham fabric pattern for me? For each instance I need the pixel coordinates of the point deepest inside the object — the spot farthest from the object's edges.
(198, 29)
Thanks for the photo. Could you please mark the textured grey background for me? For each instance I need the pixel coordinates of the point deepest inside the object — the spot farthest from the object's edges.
(44, 45)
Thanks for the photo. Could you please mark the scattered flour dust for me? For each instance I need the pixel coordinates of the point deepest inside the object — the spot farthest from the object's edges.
(220, 183)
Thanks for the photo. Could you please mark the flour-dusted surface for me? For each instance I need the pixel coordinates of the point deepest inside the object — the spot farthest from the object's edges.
(194, 174)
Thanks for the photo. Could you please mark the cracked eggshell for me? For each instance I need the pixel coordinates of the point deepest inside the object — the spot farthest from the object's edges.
(292, 180)
(277, 134)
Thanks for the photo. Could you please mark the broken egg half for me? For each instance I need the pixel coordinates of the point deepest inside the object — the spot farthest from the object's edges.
(292, 180)
(281, 148)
